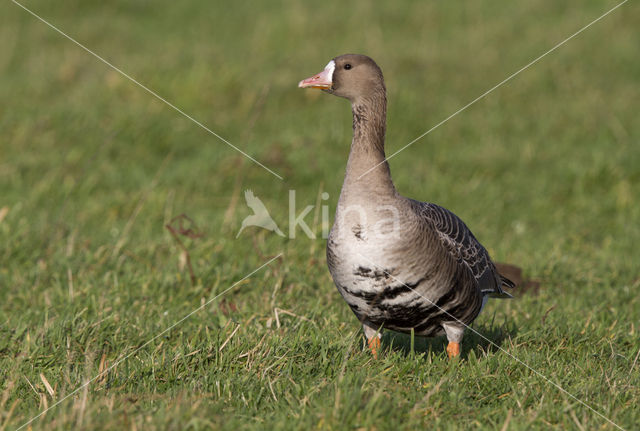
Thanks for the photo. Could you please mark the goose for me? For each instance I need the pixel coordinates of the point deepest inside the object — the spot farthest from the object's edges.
(400, 264)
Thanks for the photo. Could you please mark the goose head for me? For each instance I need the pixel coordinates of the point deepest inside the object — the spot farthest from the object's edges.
(352, 76)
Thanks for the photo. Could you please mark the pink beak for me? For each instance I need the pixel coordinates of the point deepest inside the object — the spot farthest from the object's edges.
(322, 80)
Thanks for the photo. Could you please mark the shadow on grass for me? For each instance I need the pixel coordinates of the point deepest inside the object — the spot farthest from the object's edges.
(491, 338)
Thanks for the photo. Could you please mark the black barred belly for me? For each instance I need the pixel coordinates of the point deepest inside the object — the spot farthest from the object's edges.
(384, 308)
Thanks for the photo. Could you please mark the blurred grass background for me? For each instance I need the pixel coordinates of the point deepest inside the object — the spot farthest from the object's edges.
(545, 171)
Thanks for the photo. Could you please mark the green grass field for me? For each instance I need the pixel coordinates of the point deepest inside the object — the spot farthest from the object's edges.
(545, 170)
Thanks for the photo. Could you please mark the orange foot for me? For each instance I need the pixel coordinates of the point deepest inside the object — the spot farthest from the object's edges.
(374, 345)
(453, 349)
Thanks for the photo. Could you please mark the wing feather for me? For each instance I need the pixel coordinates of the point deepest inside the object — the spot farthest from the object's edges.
(460, 242)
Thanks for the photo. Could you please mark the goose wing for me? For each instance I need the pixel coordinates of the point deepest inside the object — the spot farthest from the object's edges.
(459, 241)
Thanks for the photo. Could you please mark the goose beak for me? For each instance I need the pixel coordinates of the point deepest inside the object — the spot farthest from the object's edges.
(323, 80)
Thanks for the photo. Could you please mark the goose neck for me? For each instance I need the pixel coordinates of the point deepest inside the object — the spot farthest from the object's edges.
(367, 167)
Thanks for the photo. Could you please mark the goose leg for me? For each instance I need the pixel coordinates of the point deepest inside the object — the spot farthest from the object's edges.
(454, 331)
(373, 335)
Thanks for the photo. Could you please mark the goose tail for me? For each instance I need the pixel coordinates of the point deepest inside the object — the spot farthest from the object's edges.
(505, 282)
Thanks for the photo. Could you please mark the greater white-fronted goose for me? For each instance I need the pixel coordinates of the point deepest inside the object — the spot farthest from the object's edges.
(400, 264)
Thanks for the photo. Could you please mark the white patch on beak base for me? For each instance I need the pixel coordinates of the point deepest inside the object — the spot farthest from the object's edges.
(330, 67)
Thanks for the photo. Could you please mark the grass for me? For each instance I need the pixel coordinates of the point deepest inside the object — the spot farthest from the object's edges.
(545, 170)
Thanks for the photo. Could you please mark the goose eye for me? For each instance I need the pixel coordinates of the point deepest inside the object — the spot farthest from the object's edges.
(347, 66)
